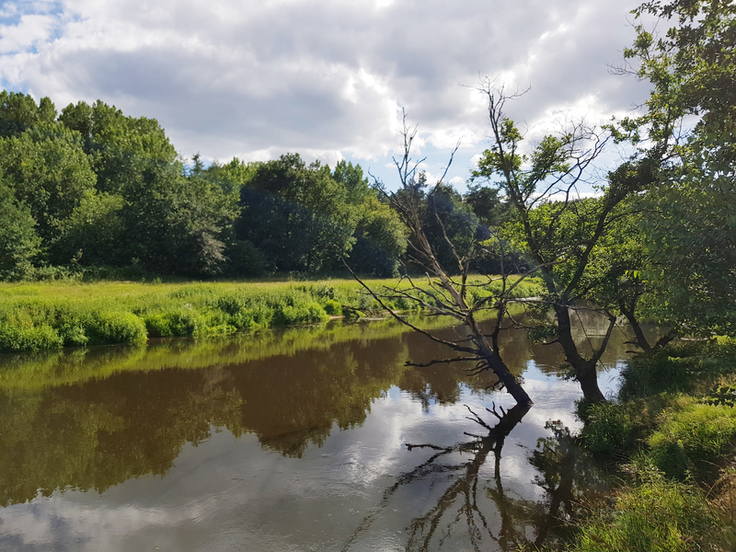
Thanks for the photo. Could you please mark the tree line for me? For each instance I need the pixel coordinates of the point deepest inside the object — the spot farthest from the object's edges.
(91, 187)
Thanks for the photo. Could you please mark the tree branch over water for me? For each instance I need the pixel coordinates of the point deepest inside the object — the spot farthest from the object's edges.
(443, 294)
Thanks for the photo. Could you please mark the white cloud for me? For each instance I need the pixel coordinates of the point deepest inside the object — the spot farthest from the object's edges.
(325, 78)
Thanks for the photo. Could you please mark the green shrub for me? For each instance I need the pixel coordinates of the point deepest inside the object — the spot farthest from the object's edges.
(654, 516)
(333, 308)
(17, 338)
(213, 323)
(686, 367)
(73, 334)
(174, 323)
(652, 374)
(693, 437)
(309, 312)
(320, 290)
(104, 328)
(609, 428)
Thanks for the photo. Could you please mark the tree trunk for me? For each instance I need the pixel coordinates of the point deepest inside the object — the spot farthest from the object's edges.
(497, 365)
(641, 339)
(584, 369)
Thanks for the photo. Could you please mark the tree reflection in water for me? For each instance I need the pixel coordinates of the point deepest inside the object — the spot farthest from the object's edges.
(459, 503)
(570, 479)
(565, 473)
(91, 420)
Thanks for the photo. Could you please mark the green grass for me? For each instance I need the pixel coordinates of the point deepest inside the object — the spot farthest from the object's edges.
(51, 315)
(673, 434)
(655, 515)
(693, 438)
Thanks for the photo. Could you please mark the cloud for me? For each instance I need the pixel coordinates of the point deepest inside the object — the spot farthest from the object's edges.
(325, 78)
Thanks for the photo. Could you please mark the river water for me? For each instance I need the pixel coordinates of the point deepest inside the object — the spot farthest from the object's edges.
(282, 441)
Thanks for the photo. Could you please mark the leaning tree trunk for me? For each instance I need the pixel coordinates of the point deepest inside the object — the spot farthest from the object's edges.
(497, 365)
(585, 369)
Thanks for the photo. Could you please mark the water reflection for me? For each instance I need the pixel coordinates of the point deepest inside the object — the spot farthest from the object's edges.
(273, 442)
(459, 504)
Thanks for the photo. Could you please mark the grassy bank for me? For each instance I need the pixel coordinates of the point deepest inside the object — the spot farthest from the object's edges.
(48, 316)
(672, 435)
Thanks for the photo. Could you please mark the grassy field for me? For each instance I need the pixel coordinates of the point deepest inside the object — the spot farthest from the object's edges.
(47, 316)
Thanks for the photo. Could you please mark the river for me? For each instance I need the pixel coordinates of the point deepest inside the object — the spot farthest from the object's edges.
(283, 441)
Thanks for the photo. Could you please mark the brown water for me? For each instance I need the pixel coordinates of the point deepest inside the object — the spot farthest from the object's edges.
(284, 441)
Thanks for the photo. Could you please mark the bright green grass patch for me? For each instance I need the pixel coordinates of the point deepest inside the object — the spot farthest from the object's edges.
(655, 516)
(692, 438)
(47, 316)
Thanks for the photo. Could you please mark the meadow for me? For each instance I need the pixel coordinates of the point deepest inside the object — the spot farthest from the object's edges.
(53, 315)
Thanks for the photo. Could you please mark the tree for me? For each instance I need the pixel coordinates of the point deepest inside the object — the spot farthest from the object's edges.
(19, 242)
(689, 132)
(117, 144)
(296, 214)
(93, 233)
(442, 294)
(486, 204)
(176, 225)
(379, 234)
(49, 172)
(19, 112)
(451, 227)
(380, 239)
(558, 231)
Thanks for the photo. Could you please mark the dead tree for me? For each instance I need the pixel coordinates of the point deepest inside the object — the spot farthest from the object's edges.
(441, 293)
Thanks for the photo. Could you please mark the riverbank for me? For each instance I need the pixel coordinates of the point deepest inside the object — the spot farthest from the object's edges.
(671, 440)
(48, 316)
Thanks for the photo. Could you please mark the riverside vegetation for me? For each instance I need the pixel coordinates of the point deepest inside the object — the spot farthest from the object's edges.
(670, 439)
(51, 315)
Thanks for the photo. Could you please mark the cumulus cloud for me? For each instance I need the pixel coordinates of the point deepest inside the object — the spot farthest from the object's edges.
(325, 78)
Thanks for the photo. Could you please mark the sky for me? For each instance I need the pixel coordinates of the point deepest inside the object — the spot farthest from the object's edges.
(328, 79)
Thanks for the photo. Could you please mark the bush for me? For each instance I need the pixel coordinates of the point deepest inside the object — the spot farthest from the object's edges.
(687, 367)
(333, 308)
(285, 315)
(655, 516)
(104, 328)
(73, 335)
(608, 429)
(174, 323)
(693, 437)
(17, 338)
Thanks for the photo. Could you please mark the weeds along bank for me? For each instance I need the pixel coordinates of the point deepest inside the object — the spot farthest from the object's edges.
(672, 435)
(35, 317)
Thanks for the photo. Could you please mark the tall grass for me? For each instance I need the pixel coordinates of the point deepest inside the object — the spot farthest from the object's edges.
(48, 316)
(674, 429)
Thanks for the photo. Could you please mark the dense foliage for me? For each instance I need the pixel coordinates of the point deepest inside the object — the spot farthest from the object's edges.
(93, 187)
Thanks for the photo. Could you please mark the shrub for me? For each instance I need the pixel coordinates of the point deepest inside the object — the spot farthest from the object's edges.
(174, 323)
(608, 428)
(105, 328)
(655, 516)
(303, 313)
(688, 367)
(17, 338)
(73, 334)
(213, 323)
(333, 308)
